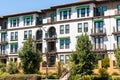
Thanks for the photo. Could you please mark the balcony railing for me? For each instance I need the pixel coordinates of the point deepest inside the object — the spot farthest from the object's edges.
(49, 20)
(99, 48)
(3, 53)
(116, 30)
(98, 32)
(52, 38)
(4, 41)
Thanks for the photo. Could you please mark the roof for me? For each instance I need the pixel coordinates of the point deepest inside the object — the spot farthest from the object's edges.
(22, 13)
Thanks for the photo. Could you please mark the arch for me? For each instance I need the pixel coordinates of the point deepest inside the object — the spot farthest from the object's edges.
(52, 32)
(39, 34)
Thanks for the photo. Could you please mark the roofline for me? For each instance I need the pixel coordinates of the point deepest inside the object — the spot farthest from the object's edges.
(78, 3)
(21, 13)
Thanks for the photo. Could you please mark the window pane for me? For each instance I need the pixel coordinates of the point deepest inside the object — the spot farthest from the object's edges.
(79, 27)
(88, 11)
(67, 43)
(14, 23)
(65, 15)
(104, 9)
(78, 13)
(83, 12)
(25, 34)
(119, 7)
(30, 32)
(12, 35)
(66, 58)
(61, 58)
(66, 29)
(85, 27)
(60, 15)
(61, 44)
(61, 29)
(16, 35)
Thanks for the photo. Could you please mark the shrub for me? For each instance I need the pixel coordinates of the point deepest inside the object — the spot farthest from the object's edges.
(115, 73)
(2, 67)
(103, 72)
(12, 68)
(105, 62)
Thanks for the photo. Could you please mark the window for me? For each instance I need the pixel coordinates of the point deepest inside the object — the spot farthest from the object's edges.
(66, 58)
(67, 43)
(98, 10)
(3, 49)
(99, 26)
(88, 11)
(3, 37)
(65, 15)
(12, 35)
(69, 14)
(79, 27)
(52, 17)
(118, 7)
(62, 58)
(83, 12)
(30, 32)
(118, 39)
(16, 35)
(41, 20)
(14, 22)
(25, 34)
(13, 48)
(66, 29)
(118, 24)
(99, 42)
(61, 29)
(104, 9)
(28, 20)
(78, 13)
(61, 44)
(85, 27)
(60, 15)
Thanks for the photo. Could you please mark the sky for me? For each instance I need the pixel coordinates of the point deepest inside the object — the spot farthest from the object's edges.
(15, 6)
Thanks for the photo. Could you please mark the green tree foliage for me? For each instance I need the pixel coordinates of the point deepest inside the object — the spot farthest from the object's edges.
(117, 55)
(83, 59)
(30, 57)
(105, 62)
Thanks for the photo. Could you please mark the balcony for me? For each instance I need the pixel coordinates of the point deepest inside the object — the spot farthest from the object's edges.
(98, 32)
(52, 38)
(50, 20)
(3, 54)
(52, 48)
(100, 48)
(116, 31)
(4, 41)
(117, 12)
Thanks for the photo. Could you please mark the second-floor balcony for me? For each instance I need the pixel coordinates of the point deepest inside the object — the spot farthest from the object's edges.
(4, 41)
(99, 48)
(98, 32)
(3, 53)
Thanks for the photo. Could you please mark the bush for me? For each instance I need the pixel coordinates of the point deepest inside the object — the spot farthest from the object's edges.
(103, 72)
(2, 67)
(115, 73)
(105, 62)
(12, 68)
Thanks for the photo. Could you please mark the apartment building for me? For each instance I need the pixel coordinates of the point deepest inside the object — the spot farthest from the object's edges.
(55, 30)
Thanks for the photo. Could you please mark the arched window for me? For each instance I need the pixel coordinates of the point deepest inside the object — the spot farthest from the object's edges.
(39, 34)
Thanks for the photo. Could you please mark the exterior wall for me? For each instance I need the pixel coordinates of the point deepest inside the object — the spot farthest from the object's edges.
(109, 24)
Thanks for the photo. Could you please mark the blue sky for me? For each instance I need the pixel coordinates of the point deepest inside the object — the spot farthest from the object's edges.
(14, 6)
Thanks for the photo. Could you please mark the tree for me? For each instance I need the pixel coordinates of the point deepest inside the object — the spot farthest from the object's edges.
(30, 57)
(117, 55)
(83, 59)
